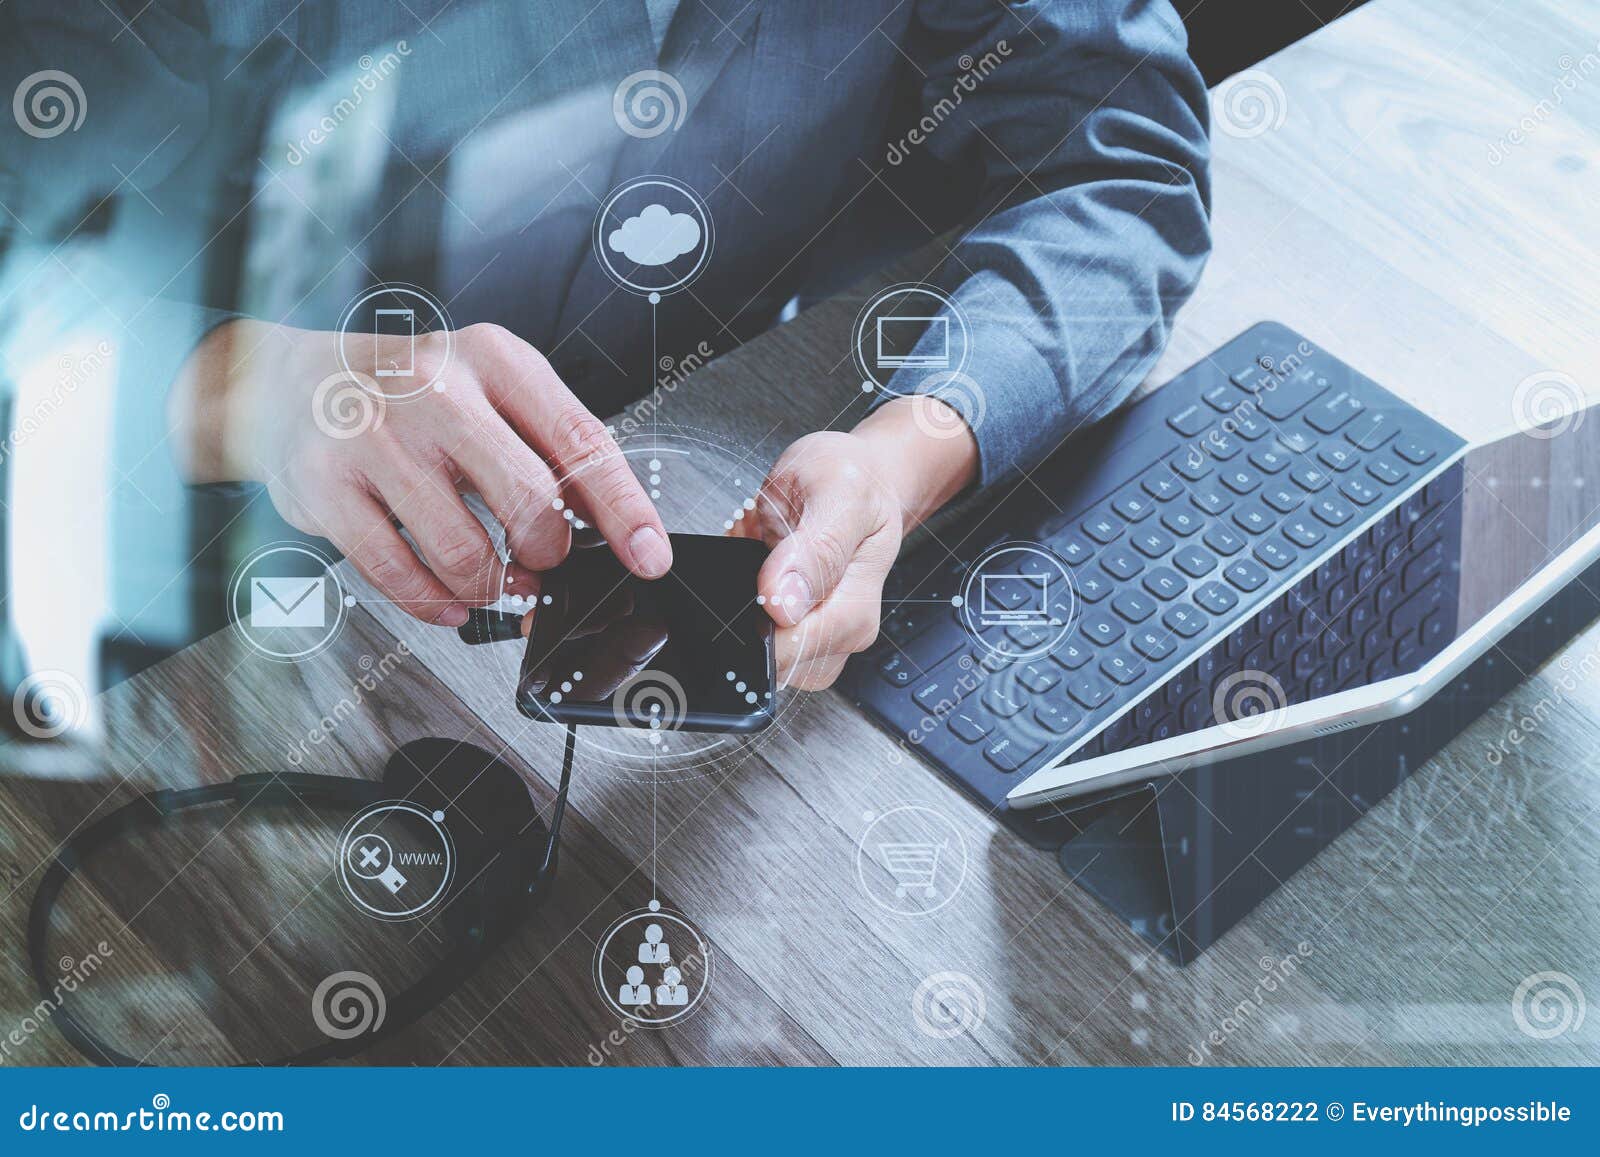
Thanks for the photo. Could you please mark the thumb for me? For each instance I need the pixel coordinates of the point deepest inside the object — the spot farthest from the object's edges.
(807, 565)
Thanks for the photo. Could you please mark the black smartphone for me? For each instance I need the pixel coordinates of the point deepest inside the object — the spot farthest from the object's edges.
(690, 651)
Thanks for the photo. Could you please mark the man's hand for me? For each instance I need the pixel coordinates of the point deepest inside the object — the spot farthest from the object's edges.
(504, 426)
(834, 510)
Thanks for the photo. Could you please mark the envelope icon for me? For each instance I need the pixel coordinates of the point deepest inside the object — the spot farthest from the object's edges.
(287, 602)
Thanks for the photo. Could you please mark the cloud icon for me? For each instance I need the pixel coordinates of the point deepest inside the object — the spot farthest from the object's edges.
(655, 236)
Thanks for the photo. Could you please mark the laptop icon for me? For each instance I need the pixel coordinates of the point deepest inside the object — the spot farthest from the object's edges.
(1014, 598)
(899, 339)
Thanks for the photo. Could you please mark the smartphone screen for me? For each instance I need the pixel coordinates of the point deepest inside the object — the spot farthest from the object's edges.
(690, 651)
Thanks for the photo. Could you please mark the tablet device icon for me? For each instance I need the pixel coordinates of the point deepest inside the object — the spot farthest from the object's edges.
(401, 323)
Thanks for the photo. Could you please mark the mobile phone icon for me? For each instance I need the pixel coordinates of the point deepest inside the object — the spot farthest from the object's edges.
(400, 323)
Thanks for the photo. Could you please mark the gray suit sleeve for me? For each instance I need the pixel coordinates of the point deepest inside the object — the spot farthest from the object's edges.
(1088, 123)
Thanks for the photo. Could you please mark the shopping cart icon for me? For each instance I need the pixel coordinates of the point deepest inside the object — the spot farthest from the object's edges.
(913, 865)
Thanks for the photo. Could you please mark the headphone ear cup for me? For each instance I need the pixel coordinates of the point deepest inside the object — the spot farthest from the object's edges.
(498, 836)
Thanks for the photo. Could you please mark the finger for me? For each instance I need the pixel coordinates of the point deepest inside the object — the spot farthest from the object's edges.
(586, 458)
(448, 536)
(360, 528)
(519, 489)
(807, 565)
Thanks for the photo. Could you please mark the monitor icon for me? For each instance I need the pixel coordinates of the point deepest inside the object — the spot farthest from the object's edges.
(1014, 598)
(400, 323)
(899, 338)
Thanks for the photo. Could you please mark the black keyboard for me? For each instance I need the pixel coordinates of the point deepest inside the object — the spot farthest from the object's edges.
(1269, 511)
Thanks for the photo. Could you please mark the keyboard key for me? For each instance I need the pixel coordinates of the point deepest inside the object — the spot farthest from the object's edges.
(897, 671)
(1220, 398)
(1133, 505)
(1092, 587)
(1133, 606)
(1161, 485)
(1037, 677)
(1013, 753)
(1192, 463)
(1283, 498)
(1073, 550)
(1338, 455)
(1250, 425)
(1072, 654)
(1182, 521)
(1387, 472)
(1008, 591)
(1190, 420)
(1254, 518)
(1194, 562)
(1004, 701)
(1120, 563)
(1358, 489)
(1216, 598)
(1412, 450)
(1089, 690)
(1151, 542)
(1224, 541)
(1056, 718)
(1153, 645)
(1333, 412)
(1245, 574)
(1122, 667)
(1333, 510)
(1102, 630)
(947, 688)
(1164, 583)
(1239, 480)
(1424, 567)
(1303, 532)
(1103, 528)
(1292, 394)
(1211, 499)
(1296, 441)
(1372, 430)
(1310, 478)
(970, 726)
(1276, 553)
(1185, 621)
(1269, 459)
(1221, 446)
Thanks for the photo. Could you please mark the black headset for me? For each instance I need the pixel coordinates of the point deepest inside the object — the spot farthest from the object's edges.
(506, 862)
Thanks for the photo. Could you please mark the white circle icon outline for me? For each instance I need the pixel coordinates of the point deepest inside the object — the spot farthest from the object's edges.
(356, 830)
(398, 290)
(696, 203)
(976, 611)
(914, 866)
(865, 332)
(249, 632)
(643, 918)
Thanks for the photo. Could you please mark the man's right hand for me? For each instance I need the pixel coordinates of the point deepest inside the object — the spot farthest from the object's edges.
(504, 426)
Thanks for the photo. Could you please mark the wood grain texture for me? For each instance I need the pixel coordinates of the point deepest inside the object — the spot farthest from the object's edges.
(1373, 220)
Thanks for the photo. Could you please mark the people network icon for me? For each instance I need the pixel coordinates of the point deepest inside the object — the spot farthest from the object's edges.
(671, 992)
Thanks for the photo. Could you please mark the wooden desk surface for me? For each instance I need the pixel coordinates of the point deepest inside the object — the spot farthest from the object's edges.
(1377, 219)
